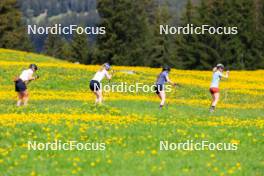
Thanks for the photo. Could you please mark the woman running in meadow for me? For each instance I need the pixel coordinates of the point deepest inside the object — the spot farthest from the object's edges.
(95, 83)
(163, 77)
(214, 88)
(21, 84)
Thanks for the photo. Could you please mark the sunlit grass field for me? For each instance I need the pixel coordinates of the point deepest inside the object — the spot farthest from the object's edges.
(131, 124)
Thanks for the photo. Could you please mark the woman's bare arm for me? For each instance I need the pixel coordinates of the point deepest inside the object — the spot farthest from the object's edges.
(226, 75)
(169, 81)
(108, 76)
(214, 69)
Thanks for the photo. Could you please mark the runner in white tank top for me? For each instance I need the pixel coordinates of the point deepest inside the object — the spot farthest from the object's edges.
(214, 88)
(95, 83)
(99, 76)
(21, 84)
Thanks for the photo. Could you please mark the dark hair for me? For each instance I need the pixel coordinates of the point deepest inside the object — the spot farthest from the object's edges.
(33, 66)
(166, 68)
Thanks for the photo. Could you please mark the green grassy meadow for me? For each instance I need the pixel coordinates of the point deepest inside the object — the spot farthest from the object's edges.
(130, 124)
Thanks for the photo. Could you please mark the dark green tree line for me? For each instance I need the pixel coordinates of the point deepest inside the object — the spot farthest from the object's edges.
(241, 51)
(75, 50)
(132, 33)
(133, 37)
(126, 35)
(12, 31)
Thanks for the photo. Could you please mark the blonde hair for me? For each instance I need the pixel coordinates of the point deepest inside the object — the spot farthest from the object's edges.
(102, 67)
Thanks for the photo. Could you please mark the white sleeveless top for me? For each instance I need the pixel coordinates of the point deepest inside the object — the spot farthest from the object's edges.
(99, 76)
(26, 75)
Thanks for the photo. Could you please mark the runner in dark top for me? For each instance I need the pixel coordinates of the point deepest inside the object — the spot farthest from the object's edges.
(163, 78)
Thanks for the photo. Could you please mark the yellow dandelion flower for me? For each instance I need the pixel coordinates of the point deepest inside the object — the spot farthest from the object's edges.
(33, 173)
(154, 152)
(92, 164)
(234, 141)
(109, 161)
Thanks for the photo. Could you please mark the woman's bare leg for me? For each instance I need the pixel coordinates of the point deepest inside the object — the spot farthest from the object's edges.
(99, 97)
(20, 98)
(162, 96)
(159, 96)
(216, 99)
(25, 97)
(213, 99)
